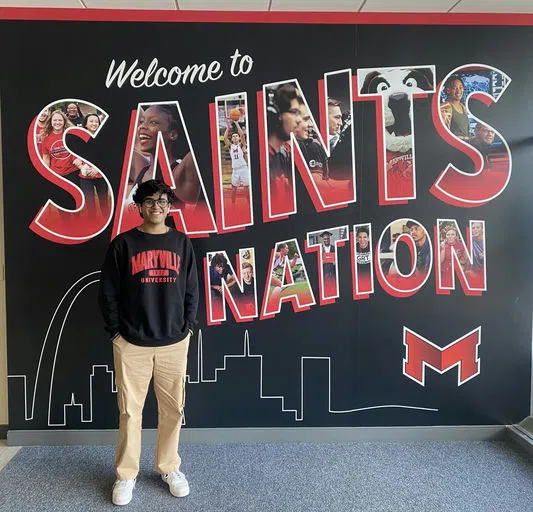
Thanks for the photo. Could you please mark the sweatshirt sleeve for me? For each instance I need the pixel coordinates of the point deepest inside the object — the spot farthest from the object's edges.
(109, 292)
(191, 288)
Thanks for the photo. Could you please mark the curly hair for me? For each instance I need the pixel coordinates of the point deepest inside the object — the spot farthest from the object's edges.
(47, 130)
(151, 187)
(452, 79)
(218, 260)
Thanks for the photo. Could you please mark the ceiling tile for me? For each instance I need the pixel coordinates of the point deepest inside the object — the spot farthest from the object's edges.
(408, 5)
(316, 5)
(509, 6)
(40, 3)
(224, 5)
(129, 4)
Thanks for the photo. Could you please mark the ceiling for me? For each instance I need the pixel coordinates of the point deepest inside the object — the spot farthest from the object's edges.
(456, 6)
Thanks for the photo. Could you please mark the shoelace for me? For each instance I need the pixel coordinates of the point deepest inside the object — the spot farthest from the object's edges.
(124, 483)
(175, 476)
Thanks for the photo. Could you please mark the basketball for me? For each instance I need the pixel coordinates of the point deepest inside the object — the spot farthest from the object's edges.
(235, 114)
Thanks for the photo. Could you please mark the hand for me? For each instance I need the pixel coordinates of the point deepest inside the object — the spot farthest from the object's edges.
(78, 162)
(446, 113)
(186, 180)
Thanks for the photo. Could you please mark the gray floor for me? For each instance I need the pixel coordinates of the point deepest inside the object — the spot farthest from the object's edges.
(6, 452)
(422, 476)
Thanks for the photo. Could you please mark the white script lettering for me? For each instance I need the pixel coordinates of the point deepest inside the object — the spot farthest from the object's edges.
(159, 76)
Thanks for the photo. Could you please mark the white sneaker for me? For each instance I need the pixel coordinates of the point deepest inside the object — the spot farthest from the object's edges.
(123, 491)
(177, 484)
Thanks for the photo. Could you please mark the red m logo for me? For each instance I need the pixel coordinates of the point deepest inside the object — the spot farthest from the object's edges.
(420, 353)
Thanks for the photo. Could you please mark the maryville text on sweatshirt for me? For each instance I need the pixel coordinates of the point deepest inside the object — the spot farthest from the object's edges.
(149, 287)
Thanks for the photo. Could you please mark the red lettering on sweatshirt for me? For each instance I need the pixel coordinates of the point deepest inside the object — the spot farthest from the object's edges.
(156, 259)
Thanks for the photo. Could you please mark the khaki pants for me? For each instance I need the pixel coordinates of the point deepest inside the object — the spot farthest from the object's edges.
(134, 368)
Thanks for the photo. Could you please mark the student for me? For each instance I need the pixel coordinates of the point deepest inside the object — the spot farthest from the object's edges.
(248, 299)
(313, 153)
(279, 263)
(278, 266)
(283, 118)
(248, 280)
(423, 247)
(478, 246)
(340, 146)
(39, 126)
(74, 114)
(328, 261)
(55, 154)
(450, 241)
(483, 140)
(149, 299)
(453, 111)
(91, 180)
(240, 174)
(164, 119)
(218, 272)
(334, 122)
(92, 122)
(362, 249)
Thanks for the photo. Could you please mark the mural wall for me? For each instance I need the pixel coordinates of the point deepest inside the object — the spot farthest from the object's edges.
(358, 196)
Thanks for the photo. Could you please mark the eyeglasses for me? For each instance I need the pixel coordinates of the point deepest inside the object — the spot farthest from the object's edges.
(149, 202)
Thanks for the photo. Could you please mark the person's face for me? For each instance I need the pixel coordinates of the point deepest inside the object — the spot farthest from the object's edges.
(477, 230)
(43, 116)
(72, 111)
(326, 240)
(93, 122)
(247, 275)
(485, 134)
(417, 234)
(455, 91)
(362, 239)
(451, 236)
(292, 118)
(235, 138)
(334, 120)
(153, 212)
(302, 132)
(219, 269)
(284, 251)
(58, 123)
(151, 122)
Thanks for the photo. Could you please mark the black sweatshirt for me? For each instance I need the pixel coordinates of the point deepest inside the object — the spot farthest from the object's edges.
(149, 288)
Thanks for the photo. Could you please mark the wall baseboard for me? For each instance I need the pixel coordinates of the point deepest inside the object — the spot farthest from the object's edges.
(521, 435)
(266, 435)
(3, 431)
